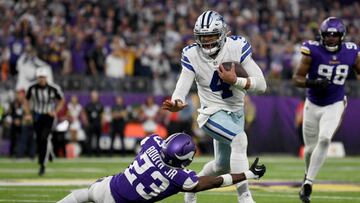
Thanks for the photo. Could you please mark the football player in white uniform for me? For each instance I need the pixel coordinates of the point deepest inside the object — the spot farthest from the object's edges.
(221, 93)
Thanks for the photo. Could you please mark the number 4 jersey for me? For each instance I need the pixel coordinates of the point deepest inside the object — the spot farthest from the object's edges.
(334, 66)
(148, 179)
(212, 90)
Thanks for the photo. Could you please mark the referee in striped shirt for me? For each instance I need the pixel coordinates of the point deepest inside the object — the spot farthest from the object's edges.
(43, 101)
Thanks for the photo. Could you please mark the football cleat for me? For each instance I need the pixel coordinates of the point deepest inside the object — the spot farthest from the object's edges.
(305, 193)
(41, 170)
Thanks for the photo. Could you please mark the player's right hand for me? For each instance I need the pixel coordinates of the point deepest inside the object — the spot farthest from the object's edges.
(173, 106)
(229, 76)
(258, 170)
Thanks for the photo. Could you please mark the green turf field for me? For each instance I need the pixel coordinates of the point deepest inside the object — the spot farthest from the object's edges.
(339, 180)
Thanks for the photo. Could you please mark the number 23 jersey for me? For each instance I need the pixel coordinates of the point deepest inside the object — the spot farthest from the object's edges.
(334, 66)
(148, 179)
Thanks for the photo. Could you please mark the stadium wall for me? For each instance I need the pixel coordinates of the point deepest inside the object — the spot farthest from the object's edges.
(273, 130)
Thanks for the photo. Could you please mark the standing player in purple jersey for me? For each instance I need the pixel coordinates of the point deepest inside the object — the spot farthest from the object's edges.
(323, 69)
(157, 172)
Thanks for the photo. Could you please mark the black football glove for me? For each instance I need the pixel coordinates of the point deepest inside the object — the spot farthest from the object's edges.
(258, 170)
(321, 83)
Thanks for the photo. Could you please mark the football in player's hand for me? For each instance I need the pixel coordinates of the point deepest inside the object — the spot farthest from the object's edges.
(240, 71)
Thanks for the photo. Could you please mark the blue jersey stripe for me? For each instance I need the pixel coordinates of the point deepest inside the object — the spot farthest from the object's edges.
(208, 129)
(184, 58)
(221, 128)
(246, 47)
(188, 66)
(245, 55)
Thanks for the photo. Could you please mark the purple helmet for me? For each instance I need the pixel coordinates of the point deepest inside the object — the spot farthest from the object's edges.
(332, 33)
(178, 150)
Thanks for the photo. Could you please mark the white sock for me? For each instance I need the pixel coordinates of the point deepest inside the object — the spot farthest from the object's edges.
(318, 158)
(77, 196)
(207, 170)
(246, 198)
(238, 164)
(307, 156)
(308, 182)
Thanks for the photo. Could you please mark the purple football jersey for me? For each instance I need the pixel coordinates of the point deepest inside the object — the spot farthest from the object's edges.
(334, 66)
(148, 179)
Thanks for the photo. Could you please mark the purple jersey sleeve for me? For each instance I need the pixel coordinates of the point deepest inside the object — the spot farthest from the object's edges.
(148, 178)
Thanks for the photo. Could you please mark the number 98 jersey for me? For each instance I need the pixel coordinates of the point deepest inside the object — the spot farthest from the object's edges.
(148, 179)
(333, 66)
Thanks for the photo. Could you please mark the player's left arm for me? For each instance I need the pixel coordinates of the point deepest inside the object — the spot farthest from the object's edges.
(208, 182)
(256, 77)
(255, 80)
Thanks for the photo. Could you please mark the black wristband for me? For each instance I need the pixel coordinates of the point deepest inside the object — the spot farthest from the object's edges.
(318, 83)
(310, 83)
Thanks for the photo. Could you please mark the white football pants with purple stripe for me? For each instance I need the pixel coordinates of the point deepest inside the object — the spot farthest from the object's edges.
(319, 126)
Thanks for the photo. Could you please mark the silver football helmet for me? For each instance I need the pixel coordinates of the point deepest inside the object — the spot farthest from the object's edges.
(210, 23)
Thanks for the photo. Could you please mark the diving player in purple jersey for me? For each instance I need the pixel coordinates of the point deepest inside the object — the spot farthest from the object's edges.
(157, 172)
(323, 69)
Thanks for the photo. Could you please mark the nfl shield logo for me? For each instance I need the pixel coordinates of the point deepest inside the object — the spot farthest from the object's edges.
(334, 57)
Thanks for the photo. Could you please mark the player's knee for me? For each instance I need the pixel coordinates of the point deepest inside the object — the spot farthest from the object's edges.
(324, 141)
(222, 168)
(309, 149)
(239, 143)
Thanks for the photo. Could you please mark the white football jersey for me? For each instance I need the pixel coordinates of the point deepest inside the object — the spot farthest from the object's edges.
(214, 93)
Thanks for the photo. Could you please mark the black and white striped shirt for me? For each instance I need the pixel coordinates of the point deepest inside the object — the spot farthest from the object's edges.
(43, 99)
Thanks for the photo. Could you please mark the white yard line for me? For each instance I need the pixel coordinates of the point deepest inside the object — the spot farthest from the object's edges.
(45, 189)
(202, 159)
(259, 194)
(67, 170)
(25, 200)
(47, 182)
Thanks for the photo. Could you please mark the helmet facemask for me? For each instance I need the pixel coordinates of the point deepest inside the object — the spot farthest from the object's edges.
(210, 44)
(332, 40)
(332, 32)
(210, 32)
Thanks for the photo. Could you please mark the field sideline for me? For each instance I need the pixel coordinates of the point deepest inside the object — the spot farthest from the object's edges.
(339, 180)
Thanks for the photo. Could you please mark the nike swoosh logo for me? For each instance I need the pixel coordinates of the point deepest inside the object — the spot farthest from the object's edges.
(257, 169)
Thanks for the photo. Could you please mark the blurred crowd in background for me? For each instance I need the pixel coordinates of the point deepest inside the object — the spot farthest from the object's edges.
(117, 39)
